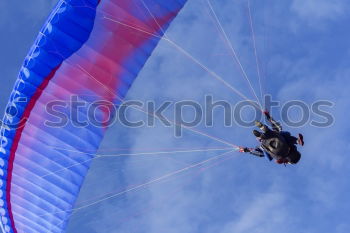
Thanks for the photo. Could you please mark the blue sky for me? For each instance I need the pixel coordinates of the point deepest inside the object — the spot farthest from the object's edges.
(304, 52)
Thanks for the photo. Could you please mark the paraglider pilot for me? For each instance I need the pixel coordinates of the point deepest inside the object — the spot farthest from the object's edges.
(275, 144)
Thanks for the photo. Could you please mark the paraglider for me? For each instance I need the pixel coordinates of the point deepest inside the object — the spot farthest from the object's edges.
(276, 144)
(92, 49)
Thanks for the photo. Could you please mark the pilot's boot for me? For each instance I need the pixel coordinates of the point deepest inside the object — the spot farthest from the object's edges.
(261, 126)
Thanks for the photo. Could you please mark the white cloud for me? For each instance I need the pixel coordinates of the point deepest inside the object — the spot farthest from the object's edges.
(263, 214)
(316, 12)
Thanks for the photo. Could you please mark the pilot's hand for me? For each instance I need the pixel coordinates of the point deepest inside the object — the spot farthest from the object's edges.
(244, 149)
